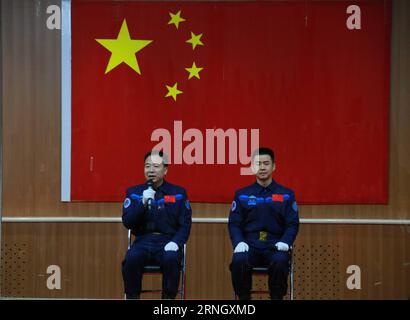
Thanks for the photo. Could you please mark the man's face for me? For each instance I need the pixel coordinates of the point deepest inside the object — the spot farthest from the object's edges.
(263, 167)
(154, 168)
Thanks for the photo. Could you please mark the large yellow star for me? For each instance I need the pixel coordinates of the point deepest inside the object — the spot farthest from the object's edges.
(123, 49)
(195, 40)
(176, 18)
(173, 91)
(193, 71)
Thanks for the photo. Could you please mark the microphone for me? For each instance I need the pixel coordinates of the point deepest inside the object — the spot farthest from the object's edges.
(150, 184)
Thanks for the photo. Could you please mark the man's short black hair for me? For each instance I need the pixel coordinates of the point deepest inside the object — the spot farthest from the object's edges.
(157, 153)
(264, 151)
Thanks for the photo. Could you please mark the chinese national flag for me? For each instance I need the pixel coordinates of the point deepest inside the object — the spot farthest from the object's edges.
(317, 92)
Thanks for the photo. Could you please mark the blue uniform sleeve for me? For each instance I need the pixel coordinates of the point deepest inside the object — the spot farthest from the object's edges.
(185, 221)
(132, 210)
(291, 221)
(235, 222)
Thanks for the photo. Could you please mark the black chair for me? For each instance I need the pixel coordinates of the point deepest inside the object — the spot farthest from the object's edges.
(155, 270)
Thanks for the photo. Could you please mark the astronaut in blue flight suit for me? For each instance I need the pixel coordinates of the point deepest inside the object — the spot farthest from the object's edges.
(263, 224)
(160, 217)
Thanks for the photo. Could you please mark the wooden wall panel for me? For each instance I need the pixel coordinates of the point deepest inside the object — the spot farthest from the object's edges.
(209, 255)
(90, 256)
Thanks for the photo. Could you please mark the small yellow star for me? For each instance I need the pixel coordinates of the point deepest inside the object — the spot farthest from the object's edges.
(195, 40)
(193, 71)
(176, 18)
(123, 49)
(173, 91)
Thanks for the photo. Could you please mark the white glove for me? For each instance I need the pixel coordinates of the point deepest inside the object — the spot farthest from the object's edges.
(241, 247)
(281, 246)
(171, 246)
(148, 194)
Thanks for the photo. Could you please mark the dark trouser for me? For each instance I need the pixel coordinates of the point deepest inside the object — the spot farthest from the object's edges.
(278, 270)
(149, 249)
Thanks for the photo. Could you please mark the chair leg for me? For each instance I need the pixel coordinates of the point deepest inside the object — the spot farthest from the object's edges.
(183, 286)
(291, 285)
(291, 276)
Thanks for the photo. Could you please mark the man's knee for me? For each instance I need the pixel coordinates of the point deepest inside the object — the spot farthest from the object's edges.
(279, 261)
(134, 257)
(239, 259)
(171, 258)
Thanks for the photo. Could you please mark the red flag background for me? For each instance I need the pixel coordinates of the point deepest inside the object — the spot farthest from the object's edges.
(317, 91)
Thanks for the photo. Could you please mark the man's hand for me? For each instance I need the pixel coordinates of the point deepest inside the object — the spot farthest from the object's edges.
(148, 194)
(241, 247)
(171, 246)
(281, 246)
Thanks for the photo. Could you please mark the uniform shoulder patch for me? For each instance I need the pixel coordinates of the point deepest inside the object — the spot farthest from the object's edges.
(233, 206)
(127, 203)
(187, 205)
(295, 206)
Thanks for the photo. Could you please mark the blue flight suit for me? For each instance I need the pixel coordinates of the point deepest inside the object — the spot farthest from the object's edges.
(261, 217)
(168, 219)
